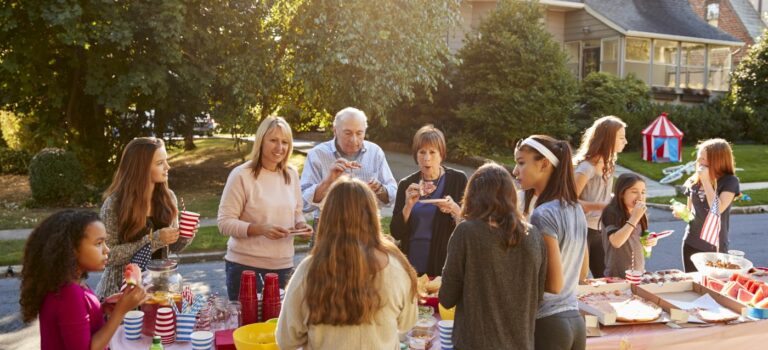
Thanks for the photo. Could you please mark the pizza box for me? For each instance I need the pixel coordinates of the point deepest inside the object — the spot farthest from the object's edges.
(609, 318)
(673, 296)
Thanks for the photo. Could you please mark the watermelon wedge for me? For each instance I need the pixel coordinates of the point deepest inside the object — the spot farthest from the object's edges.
(132, 274)
(742, 279)
(715, 284)
(759, 296)
(744, 296)
(731, 289)
(762, 304)
(755, 287)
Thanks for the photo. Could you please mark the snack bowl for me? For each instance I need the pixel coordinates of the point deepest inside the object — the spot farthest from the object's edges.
(700, 261)
(428, 337)
(256, 336)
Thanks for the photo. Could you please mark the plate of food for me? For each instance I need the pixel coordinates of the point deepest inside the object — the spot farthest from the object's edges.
(433, 201)
(620, 307)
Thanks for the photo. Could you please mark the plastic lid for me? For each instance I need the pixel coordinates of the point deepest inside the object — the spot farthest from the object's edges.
(162, 265)
(156, 339)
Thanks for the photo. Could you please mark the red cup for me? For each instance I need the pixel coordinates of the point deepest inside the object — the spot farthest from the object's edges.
(633, 276)
(187, 223)
(248, 299)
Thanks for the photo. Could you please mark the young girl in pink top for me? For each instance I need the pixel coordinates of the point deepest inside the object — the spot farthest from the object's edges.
(58, 255)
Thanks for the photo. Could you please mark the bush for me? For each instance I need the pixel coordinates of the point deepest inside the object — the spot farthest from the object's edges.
(514, 80)
(56, 178)
(14, 162)
(602, 94)
(750, 89)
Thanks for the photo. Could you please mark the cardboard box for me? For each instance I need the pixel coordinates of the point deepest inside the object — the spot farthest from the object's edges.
(663, 295)
(609, 318)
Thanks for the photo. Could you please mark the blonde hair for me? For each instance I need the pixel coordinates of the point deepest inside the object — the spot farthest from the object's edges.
(719, 157)
(266, 126)
(599, 143)
(342, 283)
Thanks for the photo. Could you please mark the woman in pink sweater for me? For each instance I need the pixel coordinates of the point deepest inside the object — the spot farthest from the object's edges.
(57, 257)
(260, 209)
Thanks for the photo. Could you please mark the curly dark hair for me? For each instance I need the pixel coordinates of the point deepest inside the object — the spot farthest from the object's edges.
(50, 259)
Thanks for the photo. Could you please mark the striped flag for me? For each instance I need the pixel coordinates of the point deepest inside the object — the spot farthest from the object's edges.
(710, 232)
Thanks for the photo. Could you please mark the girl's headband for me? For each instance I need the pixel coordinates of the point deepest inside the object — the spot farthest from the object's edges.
(542, 149)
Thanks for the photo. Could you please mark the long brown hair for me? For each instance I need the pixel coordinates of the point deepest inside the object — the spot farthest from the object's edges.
(265, 127)
(599, 143)
(50, 257)
(341, 281)
(490, 196)
(720, 159)
(130, 189)
(561, 184)
(616, 212)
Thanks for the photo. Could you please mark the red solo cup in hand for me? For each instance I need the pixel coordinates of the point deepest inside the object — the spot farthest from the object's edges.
(188, 223)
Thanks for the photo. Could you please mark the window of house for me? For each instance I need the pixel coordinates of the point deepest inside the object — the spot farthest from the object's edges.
(573, 49)
(665, 62)
(692, 66)
(713, 13)
(719, 68)
(638, 58)
(609, 62)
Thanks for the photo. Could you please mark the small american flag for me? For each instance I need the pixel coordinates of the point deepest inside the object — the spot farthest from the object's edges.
(710, 232)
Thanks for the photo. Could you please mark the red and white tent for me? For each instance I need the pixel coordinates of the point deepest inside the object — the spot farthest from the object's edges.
(662, 141)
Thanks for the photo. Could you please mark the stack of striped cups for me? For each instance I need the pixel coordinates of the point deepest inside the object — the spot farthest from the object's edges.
(202, 340)
(446, 332)
(164, 325)
(132, 324)
(185, 324)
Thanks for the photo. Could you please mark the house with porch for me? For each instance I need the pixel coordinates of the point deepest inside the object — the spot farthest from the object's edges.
(662, 42)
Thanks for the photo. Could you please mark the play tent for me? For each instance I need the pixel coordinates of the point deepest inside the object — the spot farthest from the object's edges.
(662, 141)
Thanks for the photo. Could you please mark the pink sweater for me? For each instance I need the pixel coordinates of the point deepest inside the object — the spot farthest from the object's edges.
(266, 200)
(69, 317)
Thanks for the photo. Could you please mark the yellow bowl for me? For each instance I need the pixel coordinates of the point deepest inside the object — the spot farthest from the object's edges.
(255, 336)
(271, 320)
(447, 314)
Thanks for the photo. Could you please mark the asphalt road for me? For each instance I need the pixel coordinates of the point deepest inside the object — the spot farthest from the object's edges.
(749, 233)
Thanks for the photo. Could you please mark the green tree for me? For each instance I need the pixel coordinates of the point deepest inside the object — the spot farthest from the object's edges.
(750, 88)
(602, 94)
(366, 54)
(514, 81)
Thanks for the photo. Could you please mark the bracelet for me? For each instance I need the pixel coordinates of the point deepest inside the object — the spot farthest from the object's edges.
(631, 224)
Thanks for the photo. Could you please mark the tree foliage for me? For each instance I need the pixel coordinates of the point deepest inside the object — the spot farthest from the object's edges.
(750, 88)
(514, 81)
(602, 94)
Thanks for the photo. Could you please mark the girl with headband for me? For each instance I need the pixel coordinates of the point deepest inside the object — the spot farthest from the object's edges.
(545, 172)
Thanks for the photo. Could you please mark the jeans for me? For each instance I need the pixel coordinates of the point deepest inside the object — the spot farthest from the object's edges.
(234, 270)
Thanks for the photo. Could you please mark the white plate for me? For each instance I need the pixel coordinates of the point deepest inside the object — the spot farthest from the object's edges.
(433, 201)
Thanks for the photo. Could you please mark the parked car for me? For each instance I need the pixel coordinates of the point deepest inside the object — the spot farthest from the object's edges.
(204, 126)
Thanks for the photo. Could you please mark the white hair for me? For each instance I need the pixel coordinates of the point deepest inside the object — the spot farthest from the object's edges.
(348, 112)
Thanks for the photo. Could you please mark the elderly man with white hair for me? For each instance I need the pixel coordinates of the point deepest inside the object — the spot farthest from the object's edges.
(348, 153)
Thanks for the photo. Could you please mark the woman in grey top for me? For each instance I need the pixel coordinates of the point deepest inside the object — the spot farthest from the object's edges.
(495, 269)
(595, 164)
(544, 170)
(623, 221)
(139, 212)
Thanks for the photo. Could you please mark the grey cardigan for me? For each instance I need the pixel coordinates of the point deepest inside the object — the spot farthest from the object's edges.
(120, 253)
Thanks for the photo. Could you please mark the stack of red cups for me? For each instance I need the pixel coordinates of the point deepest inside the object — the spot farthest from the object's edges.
(165, 326)
(270, 307)
(248, 299)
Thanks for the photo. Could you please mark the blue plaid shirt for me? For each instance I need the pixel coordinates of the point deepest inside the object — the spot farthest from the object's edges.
(321, 157)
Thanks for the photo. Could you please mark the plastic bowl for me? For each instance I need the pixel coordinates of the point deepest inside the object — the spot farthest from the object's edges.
(700, 261)
(447, 314)
(256, 336)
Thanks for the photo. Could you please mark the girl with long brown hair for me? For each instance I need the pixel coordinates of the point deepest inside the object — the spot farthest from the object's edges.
(260, 209)
(356, 289)
(595, 163)
(715, 178)
(496, 267)
(58, 255)
(544, 170)
(139, 211)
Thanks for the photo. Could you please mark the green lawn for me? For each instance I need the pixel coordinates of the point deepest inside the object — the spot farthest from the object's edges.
(752, 158)
(759, 197)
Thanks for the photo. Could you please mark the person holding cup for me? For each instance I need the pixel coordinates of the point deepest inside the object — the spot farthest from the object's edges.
(140, 212)
(422, 224)
(261, 209)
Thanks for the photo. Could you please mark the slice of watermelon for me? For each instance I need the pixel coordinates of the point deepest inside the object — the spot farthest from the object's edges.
(733, 277)
(715, 284)
(764, 287)
(749, 284)
(731, 289)
(744, 296)
(132, 274)
(763, 304)
(759, 296)
(742, 279)
(755, 287)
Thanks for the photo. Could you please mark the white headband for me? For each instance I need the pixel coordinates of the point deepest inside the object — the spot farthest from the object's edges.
(543, 150)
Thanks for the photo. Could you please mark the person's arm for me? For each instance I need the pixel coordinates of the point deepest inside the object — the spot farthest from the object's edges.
(182, 242)
(231, 206)
(554, 282)
(298, 214)
(292, 330)
(452, 288)
(310, 178)
(583, 172)
(584, 265)
(620, 236)
(129, 301)
(542, 270)
(120, 253)
(399, 224)
(387, 180)
(410, 309)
